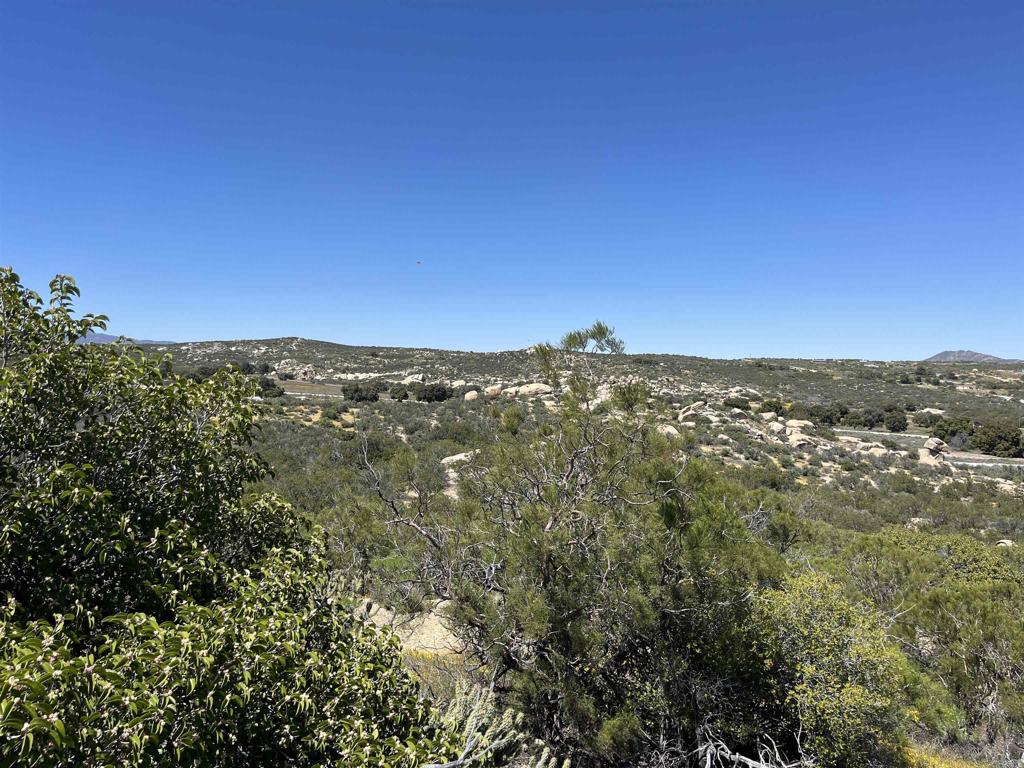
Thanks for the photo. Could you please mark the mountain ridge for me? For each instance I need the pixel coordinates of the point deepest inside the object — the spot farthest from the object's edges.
(94, 337)
(965, 356)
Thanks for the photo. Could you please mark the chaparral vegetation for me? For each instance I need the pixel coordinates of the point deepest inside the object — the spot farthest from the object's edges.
(289, 553)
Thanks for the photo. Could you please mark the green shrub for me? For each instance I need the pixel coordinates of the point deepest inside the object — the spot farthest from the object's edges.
(434, 393)
(157, 614)
(838, 677)
(999, 439)
(896, 421)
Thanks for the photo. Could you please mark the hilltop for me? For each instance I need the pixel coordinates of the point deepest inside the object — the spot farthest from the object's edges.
(965, 356)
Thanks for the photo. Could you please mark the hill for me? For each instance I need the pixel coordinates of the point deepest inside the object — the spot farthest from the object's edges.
(322, 368)
(964, 356)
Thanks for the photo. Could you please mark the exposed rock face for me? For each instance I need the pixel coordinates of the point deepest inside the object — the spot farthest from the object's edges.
(932, 452)
(768, 416)
(535, 389)
(692, 408)
(416, 378)
(1004, 543)
(471, 395)
(799, 440)
(510, 391)
(668, 430)
(776, 428)
(302, 372)
(492, 391)
(800, 424)
(458, 383)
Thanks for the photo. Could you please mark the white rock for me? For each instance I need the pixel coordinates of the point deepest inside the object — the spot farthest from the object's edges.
(492, 391)
(532, 390)
(471, 395)
(800, 424)
(1004, 543)
(668, 430)
(799, 440)
(768, 416)
(458, 458)
(691, 409)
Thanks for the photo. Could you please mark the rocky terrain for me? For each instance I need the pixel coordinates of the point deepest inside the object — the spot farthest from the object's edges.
(730, 407)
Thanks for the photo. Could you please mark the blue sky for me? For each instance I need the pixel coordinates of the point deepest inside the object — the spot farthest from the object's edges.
(718, 178)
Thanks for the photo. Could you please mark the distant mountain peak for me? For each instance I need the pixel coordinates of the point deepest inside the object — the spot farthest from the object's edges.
(963, 356)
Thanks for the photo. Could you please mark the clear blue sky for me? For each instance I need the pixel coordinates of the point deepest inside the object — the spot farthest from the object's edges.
(719, 178)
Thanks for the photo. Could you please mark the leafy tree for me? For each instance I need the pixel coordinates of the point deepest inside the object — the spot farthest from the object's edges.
(434, 393)
(157, 614)
(954, 430)
(896, 421)
(1001, 438)
(267, 388)
(274, 672)
(202, 373)
(360, 393)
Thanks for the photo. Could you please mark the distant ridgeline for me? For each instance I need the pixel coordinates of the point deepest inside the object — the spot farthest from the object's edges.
(967, 356)
(108, 338)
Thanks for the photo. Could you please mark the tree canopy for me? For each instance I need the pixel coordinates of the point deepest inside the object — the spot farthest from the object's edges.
(156, 613)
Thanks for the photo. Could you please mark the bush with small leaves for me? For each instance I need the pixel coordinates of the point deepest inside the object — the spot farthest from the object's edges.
(839, 679)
